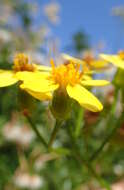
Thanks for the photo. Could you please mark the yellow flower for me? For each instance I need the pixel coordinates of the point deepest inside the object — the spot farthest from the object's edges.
(66, 81)
(21, 65)
(117, 60)
(89, 63)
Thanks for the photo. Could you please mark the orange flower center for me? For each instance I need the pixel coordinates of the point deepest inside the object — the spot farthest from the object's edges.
(21, 63)
(88, 59)
(66, 74)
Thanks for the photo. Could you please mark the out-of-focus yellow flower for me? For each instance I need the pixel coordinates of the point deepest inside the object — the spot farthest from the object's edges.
(21, 65)
(66, 81)
(117, 60)
(89, 63)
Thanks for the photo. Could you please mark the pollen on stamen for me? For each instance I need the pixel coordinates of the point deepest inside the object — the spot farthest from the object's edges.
(52, 63)
(66, 74)
(81, 74)
(21, 63)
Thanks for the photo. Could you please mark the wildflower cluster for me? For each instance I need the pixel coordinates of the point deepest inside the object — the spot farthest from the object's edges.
(66, 79)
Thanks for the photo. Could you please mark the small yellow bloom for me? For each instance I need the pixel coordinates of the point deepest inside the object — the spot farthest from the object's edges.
(89, 63)
(117, 60)
(21, 65)
(65, 80)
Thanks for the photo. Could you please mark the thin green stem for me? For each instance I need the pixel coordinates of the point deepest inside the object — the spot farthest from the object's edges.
(54, 133)
(101, 181)
(79, 158)
(113, 109)
(37, 132)
(106, 140)
(79, 122)
(111, 122)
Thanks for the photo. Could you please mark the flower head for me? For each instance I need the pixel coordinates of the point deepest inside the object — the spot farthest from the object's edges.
(65, 74)
(66, 81)
(21, 65)
(89, 62)
(92, 63)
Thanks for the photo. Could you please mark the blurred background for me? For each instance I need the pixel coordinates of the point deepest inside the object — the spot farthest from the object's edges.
(41, 29)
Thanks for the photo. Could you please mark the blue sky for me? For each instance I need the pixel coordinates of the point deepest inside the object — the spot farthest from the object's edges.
(92, 16)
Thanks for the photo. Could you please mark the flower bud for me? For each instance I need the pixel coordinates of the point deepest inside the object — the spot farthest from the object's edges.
(61, 105)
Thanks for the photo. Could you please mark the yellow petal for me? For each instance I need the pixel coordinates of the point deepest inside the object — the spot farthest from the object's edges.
(40, 96)
(84, 98)
(43, 68)
(86, 77)
(73, 59)
(7, 78)
(29, 76)
(114, 59)
(39, 85)
(94, 82)
(89, 72)
(99, 64)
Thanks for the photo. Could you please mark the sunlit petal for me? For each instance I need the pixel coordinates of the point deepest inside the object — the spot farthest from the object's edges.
(114, 59)
(40, 85)
(27, 76)
(40, 96)
(84, 98)
(43, 68)
(99, 64)
(86, 77)
(89, 72)
(94, 82)
(7, 78)
(73, 59)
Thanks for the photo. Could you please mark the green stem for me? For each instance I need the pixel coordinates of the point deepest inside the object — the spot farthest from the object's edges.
(78, 122)
(106, 140)
(113, 109)
(79, 158)
(101, 181)
(36, 131)
(112, 121)
(54, 133)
